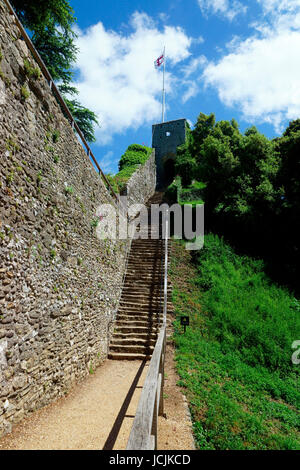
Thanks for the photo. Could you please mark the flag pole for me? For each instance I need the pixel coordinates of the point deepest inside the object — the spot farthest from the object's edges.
(163, 91)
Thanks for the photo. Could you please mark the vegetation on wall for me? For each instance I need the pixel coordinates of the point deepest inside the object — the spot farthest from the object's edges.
(51, 27)
(134, 156)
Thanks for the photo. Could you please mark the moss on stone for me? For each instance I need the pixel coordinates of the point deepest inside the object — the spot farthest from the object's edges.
(31, 72)
(25, 93)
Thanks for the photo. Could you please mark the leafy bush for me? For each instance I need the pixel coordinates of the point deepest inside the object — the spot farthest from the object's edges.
(194, 192)
(185, 164)
(139, 148)
(173, 190)
(134, 156)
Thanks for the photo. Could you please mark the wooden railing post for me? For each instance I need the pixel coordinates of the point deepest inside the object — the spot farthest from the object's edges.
(154, 423)
(161, 370)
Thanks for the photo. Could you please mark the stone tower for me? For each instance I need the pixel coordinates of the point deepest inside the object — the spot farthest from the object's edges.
(166, 137)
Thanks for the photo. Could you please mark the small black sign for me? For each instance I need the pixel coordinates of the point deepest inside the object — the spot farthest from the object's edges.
(185, 321)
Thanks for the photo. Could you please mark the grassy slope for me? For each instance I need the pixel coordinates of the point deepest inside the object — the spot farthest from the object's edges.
(235, 359)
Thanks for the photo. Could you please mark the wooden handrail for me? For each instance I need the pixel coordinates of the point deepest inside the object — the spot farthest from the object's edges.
(59, 97)
(143, 435)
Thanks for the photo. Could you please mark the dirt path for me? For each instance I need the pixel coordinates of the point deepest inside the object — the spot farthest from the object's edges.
(174, 431)
(98, 413)
(86, 416)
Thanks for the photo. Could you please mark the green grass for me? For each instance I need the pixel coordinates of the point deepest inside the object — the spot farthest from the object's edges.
(193, 203)
(234, 361)
(192, 193)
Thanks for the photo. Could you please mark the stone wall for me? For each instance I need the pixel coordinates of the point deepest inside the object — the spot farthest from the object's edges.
(60, 285)
(141, 185)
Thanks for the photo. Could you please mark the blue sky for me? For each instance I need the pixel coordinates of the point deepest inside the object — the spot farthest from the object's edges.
(237, 59)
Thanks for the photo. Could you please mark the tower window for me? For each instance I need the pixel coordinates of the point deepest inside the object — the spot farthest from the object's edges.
(168, 134)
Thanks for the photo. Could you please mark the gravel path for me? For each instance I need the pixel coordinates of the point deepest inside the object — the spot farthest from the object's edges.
(98, 413)
(85, 417)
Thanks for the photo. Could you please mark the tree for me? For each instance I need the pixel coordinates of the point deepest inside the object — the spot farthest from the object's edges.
(57, 50)
(252, 189)
(203, 128)
(185, 164)
(50, 24)
(51, 27)
(84, 117)
(36, 15)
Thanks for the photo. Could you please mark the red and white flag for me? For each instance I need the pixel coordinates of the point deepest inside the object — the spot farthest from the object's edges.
(158, 62)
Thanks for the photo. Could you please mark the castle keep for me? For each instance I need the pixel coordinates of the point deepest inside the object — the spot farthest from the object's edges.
(166, 137)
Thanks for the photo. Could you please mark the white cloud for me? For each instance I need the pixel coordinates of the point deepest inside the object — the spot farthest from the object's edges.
(260, 75)
(194, 65)
(191, 91)
(228, 9)
(279, 15)
(271, 6)
(117, 78)
(163, 17)
(107, 162)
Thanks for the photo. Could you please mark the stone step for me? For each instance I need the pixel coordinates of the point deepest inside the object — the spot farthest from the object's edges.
(137, 305)
(155, 250)
(141, 283)
(149, 310)
(142, 266)
(125, 341)
(145, 266)
(146, 309)
(141, 322)
(146, 290)
(136, 329)
(145, 277)
(140, 299)
(147, 287)
(136, 252)
(139, 316)
(137, 323)
(132, 349)
(151, 336)
(128, 356)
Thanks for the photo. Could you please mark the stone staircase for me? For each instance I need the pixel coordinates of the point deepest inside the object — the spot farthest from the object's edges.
(141, 305)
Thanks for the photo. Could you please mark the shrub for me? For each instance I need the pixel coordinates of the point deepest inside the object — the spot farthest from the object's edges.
(134, 156)
(194, 192)
(172, 192)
